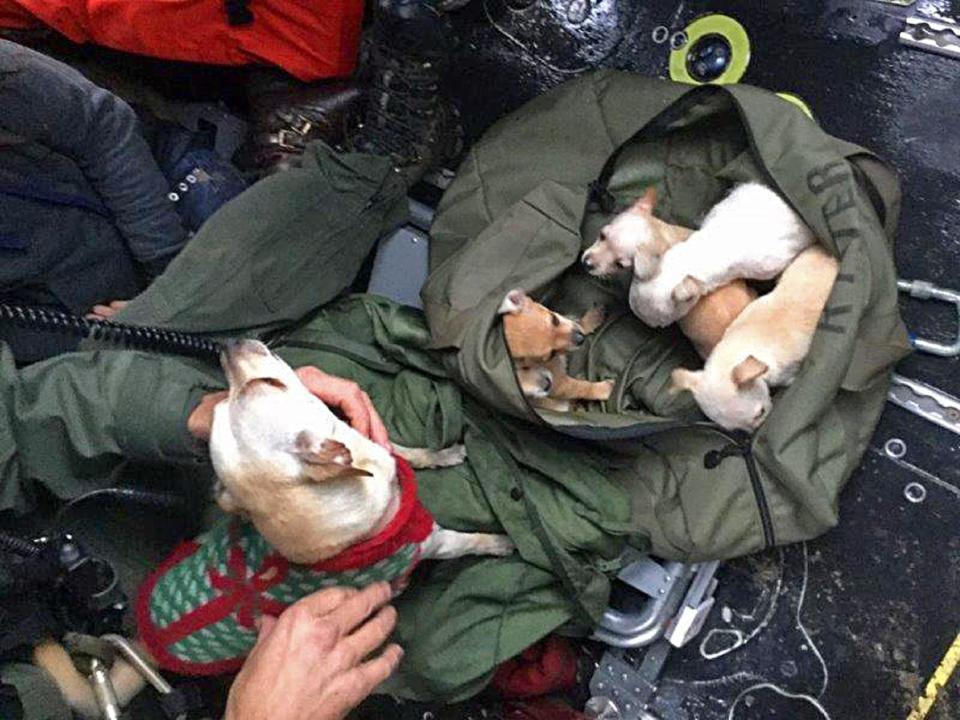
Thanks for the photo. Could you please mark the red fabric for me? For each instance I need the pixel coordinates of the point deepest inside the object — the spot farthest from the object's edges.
(13, 15)
(310, 39)
(541, 709)
(549, 666)
(411, 524)
(153, 637)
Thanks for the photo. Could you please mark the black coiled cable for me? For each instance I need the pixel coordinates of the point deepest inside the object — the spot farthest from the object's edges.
(147, 498)
(18, 546)
(137, 337)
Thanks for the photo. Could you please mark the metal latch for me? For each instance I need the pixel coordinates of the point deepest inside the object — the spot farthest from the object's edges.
(696, 606)
(922, 290)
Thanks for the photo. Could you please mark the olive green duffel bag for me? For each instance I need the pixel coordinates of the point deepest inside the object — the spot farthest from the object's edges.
(534, 192)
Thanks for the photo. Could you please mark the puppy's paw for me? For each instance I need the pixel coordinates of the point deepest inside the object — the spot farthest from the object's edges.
(593, 319)
(498, 545)
(451, 456)
(424, 459)
(603, 390)
(688, 290)
(646, 265)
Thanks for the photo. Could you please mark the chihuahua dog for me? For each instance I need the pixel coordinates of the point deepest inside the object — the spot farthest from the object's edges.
(752, 234)
(311, 485)
(538, 340)
(764, 346)
(637, 239)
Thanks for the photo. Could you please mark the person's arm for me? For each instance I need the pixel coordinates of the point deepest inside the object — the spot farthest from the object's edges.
(67, 422)
(50, 103)
(318, 660)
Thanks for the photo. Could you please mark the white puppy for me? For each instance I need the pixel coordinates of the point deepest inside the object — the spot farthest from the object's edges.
(764, 346)
(752, 234)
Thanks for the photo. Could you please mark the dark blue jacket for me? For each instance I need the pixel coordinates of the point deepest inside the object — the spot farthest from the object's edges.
(83, 206)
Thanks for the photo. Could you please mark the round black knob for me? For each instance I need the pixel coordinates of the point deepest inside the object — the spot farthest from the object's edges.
(709, 57)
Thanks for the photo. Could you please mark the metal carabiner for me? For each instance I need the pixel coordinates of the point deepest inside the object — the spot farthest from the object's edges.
(922, 290)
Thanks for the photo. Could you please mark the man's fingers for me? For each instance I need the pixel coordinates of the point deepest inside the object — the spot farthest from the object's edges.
(352, 687)
(322, 603)
(378, 431)
(367, 638)
(106, 311)
(346, 397)
(359, 607)
(265, 625)
(352, 405)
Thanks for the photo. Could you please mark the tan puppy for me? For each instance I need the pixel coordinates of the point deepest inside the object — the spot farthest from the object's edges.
(310, 483)
(764, 346)
(709, 319)
(637, 239)
(538, 339)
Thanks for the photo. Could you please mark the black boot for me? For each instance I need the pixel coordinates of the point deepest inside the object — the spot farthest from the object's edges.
(405, 113)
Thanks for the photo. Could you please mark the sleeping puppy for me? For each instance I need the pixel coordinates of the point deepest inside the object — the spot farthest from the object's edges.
(637, 239)
(538, 339)
(752, 234)
(311, 485)
(764, 346)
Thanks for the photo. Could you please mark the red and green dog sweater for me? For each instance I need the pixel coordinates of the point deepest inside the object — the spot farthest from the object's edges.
(197, 612)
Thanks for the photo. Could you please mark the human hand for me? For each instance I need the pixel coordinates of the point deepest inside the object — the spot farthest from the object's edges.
(107, 311)
(308, 664)
(343, 395)
(347, 397)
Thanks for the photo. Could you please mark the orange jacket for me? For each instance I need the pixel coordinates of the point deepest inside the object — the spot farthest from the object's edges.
(310, 39)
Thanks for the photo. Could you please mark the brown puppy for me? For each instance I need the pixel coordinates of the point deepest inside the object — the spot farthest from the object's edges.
(538, 340)
(709, 319)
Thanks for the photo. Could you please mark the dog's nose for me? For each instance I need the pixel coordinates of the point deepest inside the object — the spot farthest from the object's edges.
(577, 338)
(587, 263)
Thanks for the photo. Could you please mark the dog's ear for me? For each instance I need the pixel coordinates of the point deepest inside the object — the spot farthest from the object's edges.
(683, 379)
(325, 459)
(512, 303)
(748, 370)
(689, 289)
(647, 202)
